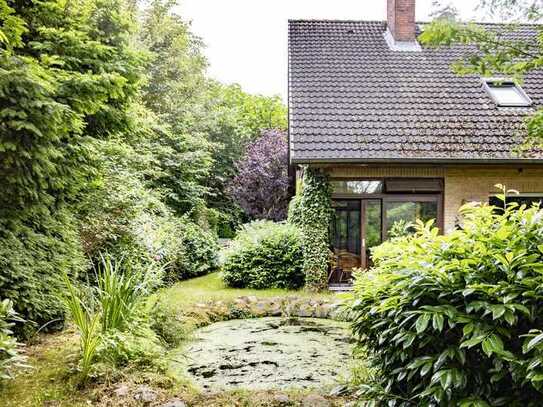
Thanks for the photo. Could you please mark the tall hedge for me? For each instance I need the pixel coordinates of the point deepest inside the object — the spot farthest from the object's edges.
(316, 210)
(67, 76)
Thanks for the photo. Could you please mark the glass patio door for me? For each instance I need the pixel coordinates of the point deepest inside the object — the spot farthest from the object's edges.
(371, 228)
(361, 224)
(355, 230)
(345, 236)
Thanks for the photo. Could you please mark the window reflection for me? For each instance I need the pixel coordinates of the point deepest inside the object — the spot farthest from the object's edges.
(357, 187)
(409, 212)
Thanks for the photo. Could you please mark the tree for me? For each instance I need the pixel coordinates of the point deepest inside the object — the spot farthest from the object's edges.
(442, 10)
(175, 86)
(260, 186)
(234, 118)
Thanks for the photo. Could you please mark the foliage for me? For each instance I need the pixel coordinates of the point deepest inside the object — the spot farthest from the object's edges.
(109, 315)
(32, 253)
(456, 319)
(170, 327)
(126, 219)
(513, 10)
(118, 292)
(265, 254)
(260, 186)
(10, 356)
(231, 119)
(181, 155)
(87, 321)
(112, 140)
(199, 256)
(137, 347)
(400, 228)
(207, 125)
(316, 210)
(67, 76)
(295, 211)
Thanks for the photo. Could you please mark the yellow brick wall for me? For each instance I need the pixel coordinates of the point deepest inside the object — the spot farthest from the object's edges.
(462, 184)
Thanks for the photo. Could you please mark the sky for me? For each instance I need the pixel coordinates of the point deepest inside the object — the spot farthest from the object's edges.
(246, 40)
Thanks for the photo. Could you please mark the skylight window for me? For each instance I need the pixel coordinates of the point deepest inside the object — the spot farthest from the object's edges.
(505, 92)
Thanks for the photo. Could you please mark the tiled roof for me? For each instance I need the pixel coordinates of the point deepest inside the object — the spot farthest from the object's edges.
(352, 99)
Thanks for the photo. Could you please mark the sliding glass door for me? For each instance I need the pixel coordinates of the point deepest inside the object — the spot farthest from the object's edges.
(361, 224)
(345, 233)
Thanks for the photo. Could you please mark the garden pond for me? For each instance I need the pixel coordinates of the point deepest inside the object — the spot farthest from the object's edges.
(266, 353)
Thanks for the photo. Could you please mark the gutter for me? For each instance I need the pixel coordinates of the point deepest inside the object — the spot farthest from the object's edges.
(417, 161)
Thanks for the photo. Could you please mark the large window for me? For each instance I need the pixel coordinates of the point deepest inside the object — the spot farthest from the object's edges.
(521, 199)
(409, 211)
(367, 210)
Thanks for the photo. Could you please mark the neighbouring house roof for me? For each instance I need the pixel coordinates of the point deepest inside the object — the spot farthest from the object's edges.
(352, 99)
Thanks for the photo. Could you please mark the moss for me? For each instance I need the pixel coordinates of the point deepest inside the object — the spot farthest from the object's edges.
(49, 380)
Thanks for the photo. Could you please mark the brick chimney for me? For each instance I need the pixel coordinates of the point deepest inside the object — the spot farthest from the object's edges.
(401, 20)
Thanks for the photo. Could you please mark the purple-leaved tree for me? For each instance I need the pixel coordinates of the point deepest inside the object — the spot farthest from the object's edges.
(260, 186)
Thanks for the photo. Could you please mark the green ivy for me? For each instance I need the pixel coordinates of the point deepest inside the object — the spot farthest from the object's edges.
(316, 210)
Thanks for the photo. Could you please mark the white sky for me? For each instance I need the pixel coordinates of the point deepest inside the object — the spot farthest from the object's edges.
(247, 39)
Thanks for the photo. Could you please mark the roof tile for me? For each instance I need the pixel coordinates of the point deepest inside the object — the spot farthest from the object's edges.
(352, 98)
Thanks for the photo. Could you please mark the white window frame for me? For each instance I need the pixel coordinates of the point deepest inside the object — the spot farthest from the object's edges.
(487, 86)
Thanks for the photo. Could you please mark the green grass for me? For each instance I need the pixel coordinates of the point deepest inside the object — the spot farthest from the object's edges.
(49, 382)
(212, 288)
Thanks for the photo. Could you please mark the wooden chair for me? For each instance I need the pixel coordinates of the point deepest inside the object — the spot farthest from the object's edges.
(342, 264)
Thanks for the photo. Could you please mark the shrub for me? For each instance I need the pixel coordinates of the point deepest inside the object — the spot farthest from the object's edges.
(32, 261)
(139, 347)
(128, 220)
(265, 255)
(10, 357)
(170, 323)
(191, 252)
(457, 319)
(200, 251)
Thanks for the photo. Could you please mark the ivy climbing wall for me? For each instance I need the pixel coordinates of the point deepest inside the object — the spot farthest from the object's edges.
(316, 210)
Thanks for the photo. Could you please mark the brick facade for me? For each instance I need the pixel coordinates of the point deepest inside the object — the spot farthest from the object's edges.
(461, 184)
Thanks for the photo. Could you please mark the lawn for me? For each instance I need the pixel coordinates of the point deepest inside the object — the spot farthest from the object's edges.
(211, 288)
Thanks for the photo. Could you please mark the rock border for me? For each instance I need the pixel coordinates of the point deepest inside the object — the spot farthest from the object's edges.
(247, 307)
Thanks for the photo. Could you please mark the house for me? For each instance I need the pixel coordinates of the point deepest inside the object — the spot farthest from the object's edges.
(400, 136)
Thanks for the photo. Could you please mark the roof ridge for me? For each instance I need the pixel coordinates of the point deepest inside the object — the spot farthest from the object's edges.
(331, 20)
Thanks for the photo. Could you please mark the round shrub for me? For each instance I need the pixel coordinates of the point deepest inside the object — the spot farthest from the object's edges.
(265, 254)
(200, 251)
(457, 320)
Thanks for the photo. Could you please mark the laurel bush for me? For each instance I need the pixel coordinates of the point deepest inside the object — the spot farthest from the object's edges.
(456, 319)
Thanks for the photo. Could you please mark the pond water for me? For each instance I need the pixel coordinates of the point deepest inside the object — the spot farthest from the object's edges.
(269, 353)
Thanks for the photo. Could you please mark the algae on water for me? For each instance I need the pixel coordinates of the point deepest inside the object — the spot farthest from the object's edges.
(269, 353)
